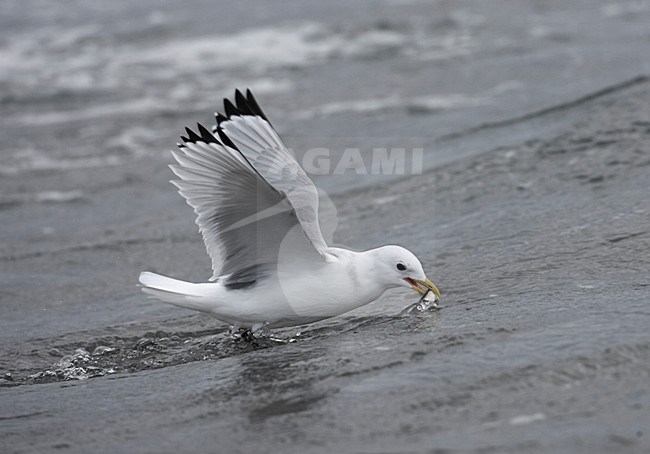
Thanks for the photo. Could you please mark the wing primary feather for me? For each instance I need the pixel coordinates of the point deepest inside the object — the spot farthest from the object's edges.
(194, 161)
(242, 104)
(231, 110)
(194, 137)
(258, 142)
(220, 118)
(206, 135)
(251, 131)
(255, 107)
(228, 176)
(226, 140)
(192, 174)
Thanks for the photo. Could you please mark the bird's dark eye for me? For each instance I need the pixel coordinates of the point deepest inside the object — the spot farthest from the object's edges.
(401, 266)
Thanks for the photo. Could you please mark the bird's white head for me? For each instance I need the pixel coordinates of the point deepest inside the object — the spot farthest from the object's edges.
(396, 266)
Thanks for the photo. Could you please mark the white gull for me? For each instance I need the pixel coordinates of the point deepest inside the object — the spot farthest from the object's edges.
(257, 211)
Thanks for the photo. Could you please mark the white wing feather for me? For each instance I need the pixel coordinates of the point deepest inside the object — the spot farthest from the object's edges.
(247, 127)
(244, 220)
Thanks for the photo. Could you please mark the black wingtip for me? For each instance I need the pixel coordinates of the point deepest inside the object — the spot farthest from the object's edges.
(220, 118)
(230, 109)
(226, 140)
(254, 106)
(242, 104)
(194, 137)
(238, 95)
(206, 135)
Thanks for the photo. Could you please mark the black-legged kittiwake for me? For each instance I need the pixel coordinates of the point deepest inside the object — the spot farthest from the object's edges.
(257, 211)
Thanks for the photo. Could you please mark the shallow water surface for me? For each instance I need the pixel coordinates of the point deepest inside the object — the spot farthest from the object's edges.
(531, 215)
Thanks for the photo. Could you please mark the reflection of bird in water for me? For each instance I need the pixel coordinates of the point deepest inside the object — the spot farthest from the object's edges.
(258, 213)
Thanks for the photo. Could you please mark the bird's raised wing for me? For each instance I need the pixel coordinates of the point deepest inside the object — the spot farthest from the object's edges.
(245, 222)
(245, 127)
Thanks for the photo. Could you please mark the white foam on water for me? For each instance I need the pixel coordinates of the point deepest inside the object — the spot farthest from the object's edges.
(132, 143)
(53, 57)
(453, 45)
(134, 106)
(448, 43)
(136, 140)
(522, 420)
(173, 75)
(58, 196)
(43, 197)
(373, 42)
(258, 49)
(377, 105)
(446, 102)
(419, 104)
(29, 159)
(83, 59)
(79, 59)
(182, 97)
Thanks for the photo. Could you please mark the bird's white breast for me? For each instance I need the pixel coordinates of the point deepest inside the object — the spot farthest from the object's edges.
(301, 295)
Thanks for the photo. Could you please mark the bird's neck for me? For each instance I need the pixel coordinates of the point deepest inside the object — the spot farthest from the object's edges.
(367, 276)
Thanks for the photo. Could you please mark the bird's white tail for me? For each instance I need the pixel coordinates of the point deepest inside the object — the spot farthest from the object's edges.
(178, 293)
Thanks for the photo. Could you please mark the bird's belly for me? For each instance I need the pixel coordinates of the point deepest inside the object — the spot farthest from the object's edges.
(287, 303)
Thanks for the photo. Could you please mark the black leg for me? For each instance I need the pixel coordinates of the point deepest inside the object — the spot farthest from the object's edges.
(247, 335)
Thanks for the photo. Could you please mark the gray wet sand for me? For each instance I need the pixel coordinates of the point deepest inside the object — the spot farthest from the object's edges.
(536, 228)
